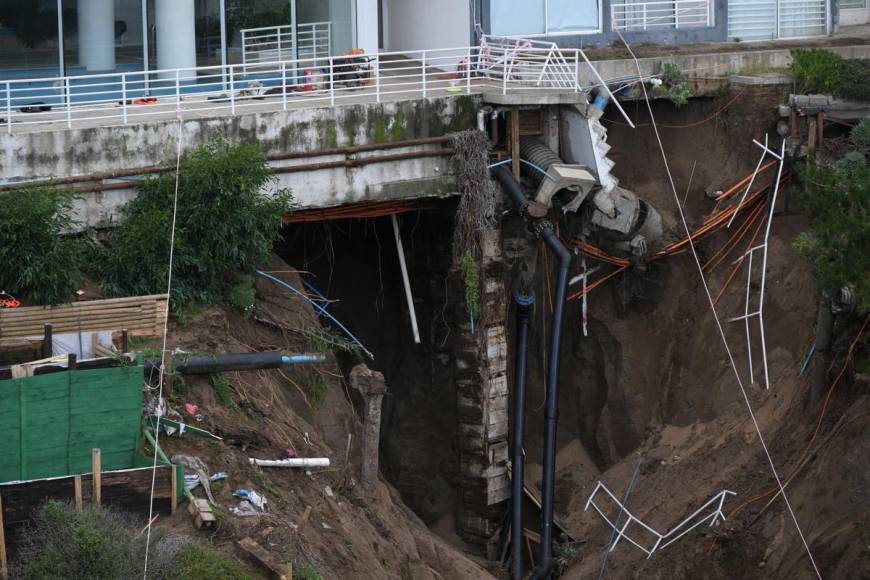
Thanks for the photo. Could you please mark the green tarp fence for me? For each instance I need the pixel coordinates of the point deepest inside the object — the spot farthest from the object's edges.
(49, 424)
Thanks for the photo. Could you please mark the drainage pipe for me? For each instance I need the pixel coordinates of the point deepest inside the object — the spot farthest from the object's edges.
(292, 462)
(545, 231)
(204, 365)
(524, 307)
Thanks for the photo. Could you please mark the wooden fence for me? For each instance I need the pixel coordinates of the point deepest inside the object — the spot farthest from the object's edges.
(141, 315)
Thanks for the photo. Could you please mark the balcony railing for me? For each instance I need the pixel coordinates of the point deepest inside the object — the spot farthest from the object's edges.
(29, 105)
(275, 43)
(636, 16)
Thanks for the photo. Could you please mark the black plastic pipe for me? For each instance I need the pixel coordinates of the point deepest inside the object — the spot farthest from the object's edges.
(545, 231)
(524, 309)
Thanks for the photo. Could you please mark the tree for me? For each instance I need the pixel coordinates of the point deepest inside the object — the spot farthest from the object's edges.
(227, 223)
(38, 263)
(837, 199)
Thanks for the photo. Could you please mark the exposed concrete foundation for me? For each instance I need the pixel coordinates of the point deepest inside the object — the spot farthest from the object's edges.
(371, 385)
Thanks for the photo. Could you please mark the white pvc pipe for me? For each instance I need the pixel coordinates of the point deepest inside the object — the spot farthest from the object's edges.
(292, 462)
(176, 37)
(405, 281)
(96, 34)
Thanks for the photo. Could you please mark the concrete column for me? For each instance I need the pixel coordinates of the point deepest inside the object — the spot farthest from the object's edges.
(367, 25)
(176, 37)
(97, 34)
(372, 387)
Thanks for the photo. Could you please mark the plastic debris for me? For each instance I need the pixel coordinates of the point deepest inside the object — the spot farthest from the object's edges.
(191, 409)
(252, 496)
(245, 509)
(193, 481)
(199, 468)
(328, 491)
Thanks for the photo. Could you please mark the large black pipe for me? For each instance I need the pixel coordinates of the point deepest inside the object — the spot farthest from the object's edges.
(204, 365)
(545, 231)
(524, 309)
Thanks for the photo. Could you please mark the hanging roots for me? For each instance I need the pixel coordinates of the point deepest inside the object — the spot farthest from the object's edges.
(476, 211)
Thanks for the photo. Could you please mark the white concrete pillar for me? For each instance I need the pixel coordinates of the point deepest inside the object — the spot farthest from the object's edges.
(367, 25)
(97, 34)
(176, 36)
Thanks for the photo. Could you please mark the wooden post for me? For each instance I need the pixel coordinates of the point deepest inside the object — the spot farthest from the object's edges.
(97, 474)
(4, 566)
(71, 362)
(47, 338)
(794, 124)
(515, 142)
(305, 515)
(125, 340)
(77, 482)
(820, 126)
(174, 497)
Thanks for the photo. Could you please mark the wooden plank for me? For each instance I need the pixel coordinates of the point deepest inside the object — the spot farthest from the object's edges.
(96, 469)
(4, 566)
(77, 482)
(261, 556)
(174, 496)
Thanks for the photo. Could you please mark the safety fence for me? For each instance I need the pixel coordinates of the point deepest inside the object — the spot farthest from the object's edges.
(634, 16)
(506, 66)
(278, 43)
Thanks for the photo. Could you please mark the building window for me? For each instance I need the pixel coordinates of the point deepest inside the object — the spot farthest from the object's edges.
(545, 17)
(851, 4)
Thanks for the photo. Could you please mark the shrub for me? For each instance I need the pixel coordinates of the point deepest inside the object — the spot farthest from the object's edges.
(675, 85)
(38, 262)
(94, 543)
(195, 563)
(838, 201)
(854, 81)
(816, 70)
(241, 294)
(225, 225)
(860, 135)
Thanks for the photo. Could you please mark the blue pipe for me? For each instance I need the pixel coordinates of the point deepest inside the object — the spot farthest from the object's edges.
(320, 308)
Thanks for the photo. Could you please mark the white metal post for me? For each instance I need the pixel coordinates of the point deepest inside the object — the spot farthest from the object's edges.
(61, 57)
(124, 95)
(576, 72)
(177, 91)
(406, 282)
(644, 16)
(145, 56)
(424, 73)
(223, 10)
(232, 91)
(284, 85)
(378, 77)
(468, 71)
(9, 107)
(68, 103)
(331, 82)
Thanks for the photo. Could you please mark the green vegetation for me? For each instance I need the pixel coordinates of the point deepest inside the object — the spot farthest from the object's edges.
(675, 85)
(564, 553)
(223, 391)
(304, 572)
(472, 284)
(224, 226)
(322, 339)
(820, 71)
(241, 294)
(196, 563)
(860, 135)
(40, 265)
(316, 386)
(107, 544)
(838, 201)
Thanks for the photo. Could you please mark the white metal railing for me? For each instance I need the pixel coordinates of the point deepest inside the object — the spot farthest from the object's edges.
(28, 105)
(677, 14)
(275, 43)
(711, 511)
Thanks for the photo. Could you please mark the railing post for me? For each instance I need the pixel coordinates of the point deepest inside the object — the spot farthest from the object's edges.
(177, 90)
(378, 77)
(68, 103)
(468, 71)
(280, 56)
(284, 85)
(424, 73)
(577, 71)
(504, 75)
(124, 95)
(331, 82)
(9, 107)
(232, 91)
(644, 16)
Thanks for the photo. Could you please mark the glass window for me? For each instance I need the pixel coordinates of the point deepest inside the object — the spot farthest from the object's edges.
(539, 17)
(28, 38)
(572, 15)
(509, 17)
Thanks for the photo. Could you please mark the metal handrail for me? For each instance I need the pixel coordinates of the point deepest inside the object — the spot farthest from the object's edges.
(677, 14)
(28, 105)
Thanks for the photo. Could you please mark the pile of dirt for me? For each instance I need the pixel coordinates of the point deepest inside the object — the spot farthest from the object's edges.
(351, 533)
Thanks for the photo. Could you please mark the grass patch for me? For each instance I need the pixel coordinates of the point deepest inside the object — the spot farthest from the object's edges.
(224, 392)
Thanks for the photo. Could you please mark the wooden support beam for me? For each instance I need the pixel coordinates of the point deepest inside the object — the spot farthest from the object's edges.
(77, 484)
(71, 362)
(174, 492)
(47, 340)
(125, 340)
(262, 557)
(515, 142)
(4, 565)
(96, 468)
(820, 126)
